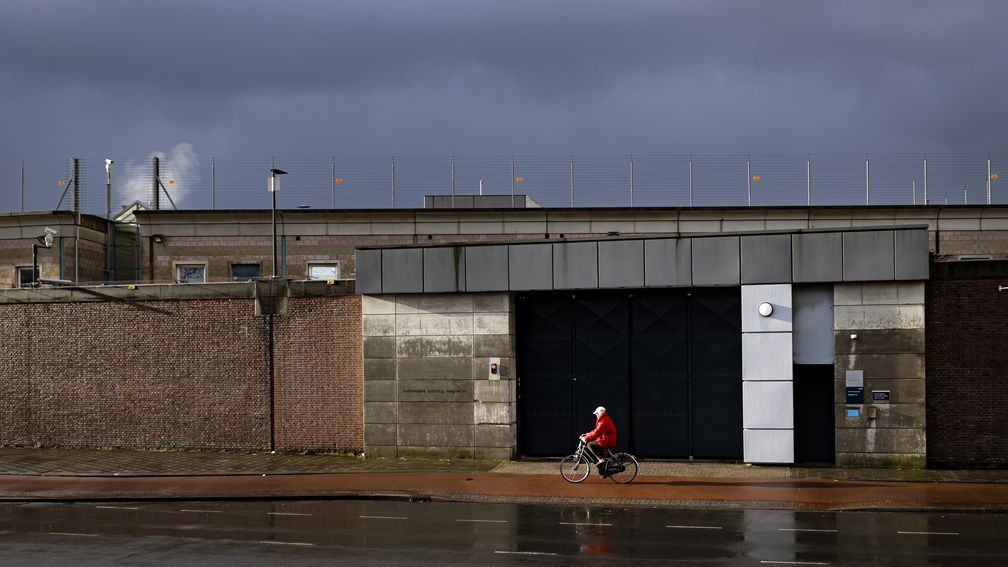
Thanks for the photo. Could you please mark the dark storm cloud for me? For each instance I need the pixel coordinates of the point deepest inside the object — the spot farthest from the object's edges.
(320, 78)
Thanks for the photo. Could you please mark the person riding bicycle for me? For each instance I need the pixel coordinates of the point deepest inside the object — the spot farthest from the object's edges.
(602, 438)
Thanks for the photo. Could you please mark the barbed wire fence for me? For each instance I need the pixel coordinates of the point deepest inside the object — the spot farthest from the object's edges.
(702, 180)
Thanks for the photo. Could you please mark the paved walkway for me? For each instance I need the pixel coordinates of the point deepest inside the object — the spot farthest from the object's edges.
(74, 474)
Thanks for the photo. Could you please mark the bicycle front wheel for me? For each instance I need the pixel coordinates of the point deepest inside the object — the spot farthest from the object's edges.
(574, 468)
(625, 468)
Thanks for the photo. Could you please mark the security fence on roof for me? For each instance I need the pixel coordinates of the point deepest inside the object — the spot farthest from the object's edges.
(187, 181)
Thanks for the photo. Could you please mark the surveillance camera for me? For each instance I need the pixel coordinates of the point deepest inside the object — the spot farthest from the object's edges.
(108, 165)
(109, 161)
(52, 231)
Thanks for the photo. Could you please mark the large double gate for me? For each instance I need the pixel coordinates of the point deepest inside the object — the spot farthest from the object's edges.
(667, 364)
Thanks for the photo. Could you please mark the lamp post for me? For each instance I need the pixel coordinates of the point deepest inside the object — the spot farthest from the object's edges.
(273, 186)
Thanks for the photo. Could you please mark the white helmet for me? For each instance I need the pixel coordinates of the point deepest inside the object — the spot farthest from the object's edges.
(599, 410)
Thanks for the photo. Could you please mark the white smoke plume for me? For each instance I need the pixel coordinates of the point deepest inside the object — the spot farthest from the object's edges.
(180, 164)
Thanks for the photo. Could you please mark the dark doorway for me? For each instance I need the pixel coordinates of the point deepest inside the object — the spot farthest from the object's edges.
(667, 365)
(814, 411)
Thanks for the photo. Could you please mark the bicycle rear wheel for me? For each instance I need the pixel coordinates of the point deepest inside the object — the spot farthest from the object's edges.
(574, 468)
(625, 469)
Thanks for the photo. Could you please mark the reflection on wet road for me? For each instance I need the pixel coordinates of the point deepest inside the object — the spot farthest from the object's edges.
(409, 533)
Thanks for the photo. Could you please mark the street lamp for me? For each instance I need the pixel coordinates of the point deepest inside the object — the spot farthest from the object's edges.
(108, 187)
(45, 241)
(274, 184)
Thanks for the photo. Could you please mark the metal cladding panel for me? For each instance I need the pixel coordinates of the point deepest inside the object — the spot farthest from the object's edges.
(486, 268)
(444, 269)
(369, 271)
(869, 256)
(716, 260)
(575, 265)
(668, 262)
(766, 356)
(621, 263)
(768, 405)
(530, 266)
(912, 254)
(402, 270)
(817, 257)
(778, 296)
(813, 324)
(766, 259)
(769, 445)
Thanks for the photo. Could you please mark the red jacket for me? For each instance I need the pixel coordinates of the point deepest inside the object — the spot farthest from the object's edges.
(605, 432)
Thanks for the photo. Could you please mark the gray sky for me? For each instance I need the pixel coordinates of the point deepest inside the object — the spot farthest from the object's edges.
(124, 78)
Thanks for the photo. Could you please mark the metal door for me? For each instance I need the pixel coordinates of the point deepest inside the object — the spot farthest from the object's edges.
(601, 362)
(814, 429)
(544, 370)
(716, 373)
(660, 385)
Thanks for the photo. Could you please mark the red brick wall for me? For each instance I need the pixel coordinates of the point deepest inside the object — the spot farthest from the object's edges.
(180, 374)
(967, 364)
(320, 374)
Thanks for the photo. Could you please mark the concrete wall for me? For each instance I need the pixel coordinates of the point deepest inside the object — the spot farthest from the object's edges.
(879, 329)
(427, 384)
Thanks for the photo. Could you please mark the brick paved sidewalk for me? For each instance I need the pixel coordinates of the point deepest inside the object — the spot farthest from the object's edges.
(89, 462)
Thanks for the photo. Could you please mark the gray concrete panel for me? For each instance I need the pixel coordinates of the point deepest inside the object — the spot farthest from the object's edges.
(486, 268)
(621, 263)
(716, 261)
(379, 390)
(912, 254)
(530, 266)
(380, 434)
(813, 323)
(668, 262)
(402, 270)
(869, 256)
(447, 413)
(379, 347)
(435, 435)
(766, 258)
(435, 391)
(379, 369)
(817, 257)
(444, 269)
(435, 368)
(575, 265)
(369, 274)
(882, 341)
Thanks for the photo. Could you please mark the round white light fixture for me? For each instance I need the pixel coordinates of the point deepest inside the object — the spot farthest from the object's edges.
(765, 309)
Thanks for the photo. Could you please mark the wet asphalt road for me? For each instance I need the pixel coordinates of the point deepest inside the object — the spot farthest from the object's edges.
(347, 532)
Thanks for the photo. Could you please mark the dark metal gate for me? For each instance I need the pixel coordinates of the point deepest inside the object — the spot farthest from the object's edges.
(666, 364)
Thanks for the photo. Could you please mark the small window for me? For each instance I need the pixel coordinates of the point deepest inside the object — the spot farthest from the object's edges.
(191, 273)
(24, 276)
(245, 272)
(326, 271)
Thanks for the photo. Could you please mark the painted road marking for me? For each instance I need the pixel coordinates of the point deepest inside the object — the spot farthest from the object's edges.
(73, 534)
(525, 552)
(287, 514)
(384, 517)
(286, 543)
(929, 533)
(766, 562)
(806, 530)
(482, 521)
(117, 508)
(695, 527)
(582, 524)
(203, 511)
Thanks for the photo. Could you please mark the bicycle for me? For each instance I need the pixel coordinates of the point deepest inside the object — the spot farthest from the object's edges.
(620, 467)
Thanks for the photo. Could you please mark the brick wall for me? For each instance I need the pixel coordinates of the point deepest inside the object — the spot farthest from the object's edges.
(967, 362)
(319, 374)
(186, 373)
